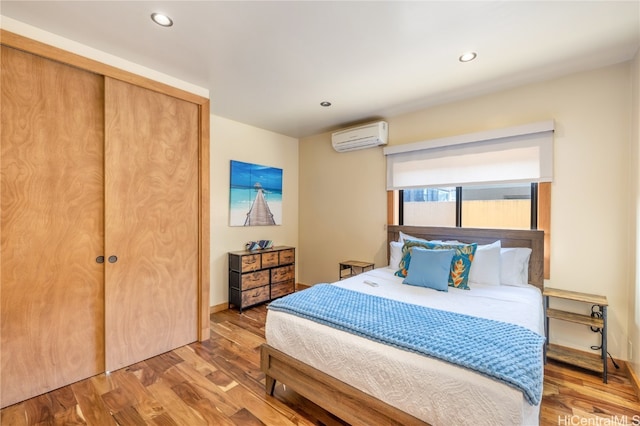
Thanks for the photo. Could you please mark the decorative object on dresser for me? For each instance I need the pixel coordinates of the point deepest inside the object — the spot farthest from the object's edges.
(260, 276)
(258, 245)
(597, 320)
(351, 268)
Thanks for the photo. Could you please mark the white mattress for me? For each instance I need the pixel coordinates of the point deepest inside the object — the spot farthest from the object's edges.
(434, 391)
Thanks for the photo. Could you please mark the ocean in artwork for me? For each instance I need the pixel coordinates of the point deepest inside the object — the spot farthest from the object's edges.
(255, 195)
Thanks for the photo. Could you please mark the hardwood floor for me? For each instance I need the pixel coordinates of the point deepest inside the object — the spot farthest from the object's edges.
(219, 382)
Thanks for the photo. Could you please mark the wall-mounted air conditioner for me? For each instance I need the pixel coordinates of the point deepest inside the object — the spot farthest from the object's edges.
(360, 137)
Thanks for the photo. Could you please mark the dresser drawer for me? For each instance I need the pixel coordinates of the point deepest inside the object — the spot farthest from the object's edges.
(250, 263)
(254, 279)
(248, 280)
(287, 256)
(282, 289)
(256, 295)
(245, 262)
(270, 259)
(283, 273)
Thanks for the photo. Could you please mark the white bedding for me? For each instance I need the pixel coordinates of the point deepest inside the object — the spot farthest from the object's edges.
(434, 391)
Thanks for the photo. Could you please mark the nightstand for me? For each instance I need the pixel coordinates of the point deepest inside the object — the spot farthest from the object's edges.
(351, 268)
(596, 321)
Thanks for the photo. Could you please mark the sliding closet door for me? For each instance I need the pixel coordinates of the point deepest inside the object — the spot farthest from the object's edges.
(151, 222)
(51, 224)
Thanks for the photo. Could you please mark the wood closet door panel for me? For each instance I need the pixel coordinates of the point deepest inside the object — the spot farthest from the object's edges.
(151, 193)
(51, 224)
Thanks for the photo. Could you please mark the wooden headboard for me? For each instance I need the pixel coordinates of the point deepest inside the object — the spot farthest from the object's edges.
(533, 239)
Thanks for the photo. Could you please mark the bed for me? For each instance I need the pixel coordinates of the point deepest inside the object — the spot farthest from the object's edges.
(363, 381)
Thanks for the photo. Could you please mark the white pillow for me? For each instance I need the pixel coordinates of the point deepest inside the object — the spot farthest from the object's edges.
(514, 269)
(403, 237)
(485, 268)
(395, 254)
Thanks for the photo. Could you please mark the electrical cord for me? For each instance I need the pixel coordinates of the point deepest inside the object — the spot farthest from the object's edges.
(596, 313)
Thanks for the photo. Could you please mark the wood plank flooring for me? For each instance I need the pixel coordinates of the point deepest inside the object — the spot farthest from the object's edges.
(218, 382)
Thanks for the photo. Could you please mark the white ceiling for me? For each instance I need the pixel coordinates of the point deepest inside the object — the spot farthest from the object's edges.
(270, 64)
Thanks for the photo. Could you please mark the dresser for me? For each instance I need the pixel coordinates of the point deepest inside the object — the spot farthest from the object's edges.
(260, 276)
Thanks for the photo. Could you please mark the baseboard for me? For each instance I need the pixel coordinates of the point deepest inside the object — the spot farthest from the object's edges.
(218, 308)
(633, 378)
(300, 286)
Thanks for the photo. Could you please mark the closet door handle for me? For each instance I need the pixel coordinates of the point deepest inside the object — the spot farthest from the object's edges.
(100, 259)
(113, 259)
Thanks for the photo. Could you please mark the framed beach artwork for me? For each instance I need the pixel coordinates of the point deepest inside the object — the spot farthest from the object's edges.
(255, 195)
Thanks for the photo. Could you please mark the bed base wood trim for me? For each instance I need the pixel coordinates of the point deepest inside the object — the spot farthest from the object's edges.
(533, 239)
(338, 398)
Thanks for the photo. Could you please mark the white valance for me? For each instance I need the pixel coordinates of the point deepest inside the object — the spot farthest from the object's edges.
(510, 155)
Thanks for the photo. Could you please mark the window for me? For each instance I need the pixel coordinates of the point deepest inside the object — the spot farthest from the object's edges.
(540, 210)
(428, 207)
(486, 206)
(489, 172)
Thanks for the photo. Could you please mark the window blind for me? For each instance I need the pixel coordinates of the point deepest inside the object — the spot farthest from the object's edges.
(510, 155)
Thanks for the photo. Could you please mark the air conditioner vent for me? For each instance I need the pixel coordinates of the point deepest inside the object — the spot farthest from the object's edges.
(360, 137)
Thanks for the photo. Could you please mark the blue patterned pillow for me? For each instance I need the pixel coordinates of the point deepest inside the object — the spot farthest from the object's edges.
(460, 264)
(429, 268)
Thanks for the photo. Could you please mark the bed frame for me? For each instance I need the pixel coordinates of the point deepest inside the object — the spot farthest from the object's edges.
(351, 404)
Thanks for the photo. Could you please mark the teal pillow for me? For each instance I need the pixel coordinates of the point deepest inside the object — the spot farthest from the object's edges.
(429, 268)
(460, 264)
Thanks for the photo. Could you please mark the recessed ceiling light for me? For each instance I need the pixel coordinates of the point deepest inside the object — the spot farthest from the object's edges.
(325, 103)
(468, 56)
(161, 19)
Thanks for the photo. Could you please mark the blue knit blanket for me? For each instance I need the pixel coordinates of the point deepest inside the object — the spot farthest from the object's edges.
(509, 353)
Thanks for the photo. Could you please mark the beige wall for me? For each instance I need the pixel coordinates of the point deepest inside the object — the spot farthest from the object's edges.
(343, 202)
(231, 140)
(634, 287)
(342, 208)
